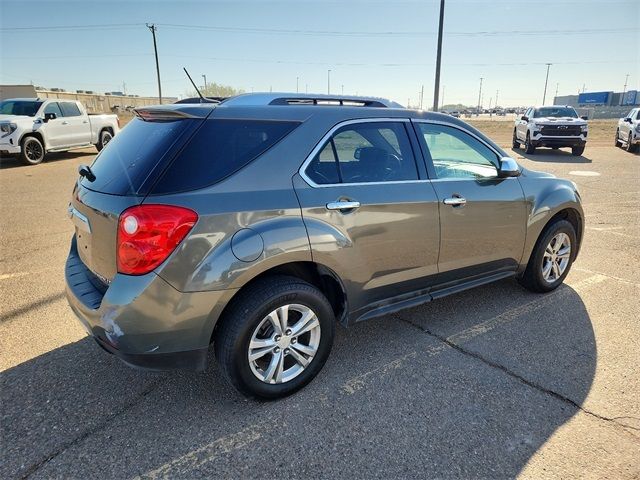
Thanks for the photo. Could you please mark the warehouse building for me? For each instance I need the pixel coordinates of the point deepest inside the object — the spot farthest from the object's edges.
(601, 104)
(94, 102)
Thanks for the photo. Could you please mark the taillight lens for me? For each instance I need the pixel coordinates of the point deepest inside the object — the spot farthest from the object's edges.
(147, 234)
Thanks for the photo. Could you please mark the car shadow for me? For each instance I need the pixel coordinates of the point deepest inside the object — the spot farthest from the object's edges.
(13, 161)
(392, 399)
(549, 155)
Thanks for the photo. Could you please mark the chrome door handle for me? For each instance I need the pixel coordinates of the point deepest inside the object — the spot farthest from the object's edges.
(343, 205)
(455, 201)
(84, 121)
(65, 123)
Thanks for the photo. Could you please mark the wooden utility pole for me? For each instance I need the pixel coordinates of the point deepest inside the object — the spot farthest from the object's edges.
(153, 29)
(436, 87)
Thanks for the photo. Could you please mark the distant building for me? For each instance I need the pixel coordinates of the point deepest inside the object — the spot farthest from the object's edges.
(93, 102)
(601, 104)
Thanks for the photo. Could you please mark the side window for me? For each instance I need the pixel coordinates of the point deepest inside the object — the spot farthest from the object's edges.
(638, 114)
(53, 108)
(70, 109)
(363, 153)
(456, 154)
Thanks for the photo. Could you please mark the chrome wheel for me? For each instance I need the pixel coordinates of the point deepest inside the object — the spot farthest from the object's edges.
(556, 257)
(284, 343)
(106, 138)
(33, 150)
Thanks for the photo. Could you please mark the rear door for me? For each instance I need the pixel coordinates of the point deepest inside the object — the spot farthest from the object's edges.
(482, 216)
(371, 215)
(77, 124)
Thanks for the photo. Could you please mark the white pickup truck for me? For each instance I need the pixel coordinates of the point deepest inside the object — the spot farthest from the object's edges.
(32, 127)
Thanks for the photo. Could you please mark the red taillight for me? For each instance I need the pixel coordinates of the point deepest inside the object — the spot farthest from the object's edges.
(147, 234)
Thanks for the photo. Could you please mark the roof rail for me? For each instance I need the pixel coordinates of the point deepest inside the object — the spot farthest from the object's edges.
(257, 99)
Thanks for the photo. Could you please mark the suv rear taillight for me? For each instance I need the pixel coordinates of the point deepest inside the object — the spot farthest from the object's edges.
(147, 234)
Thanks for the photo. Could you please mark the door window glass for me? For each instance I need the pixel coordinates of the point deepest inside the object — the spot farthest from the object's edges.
(363, 153)
(456, 154)
(53, 108)
(70, 109)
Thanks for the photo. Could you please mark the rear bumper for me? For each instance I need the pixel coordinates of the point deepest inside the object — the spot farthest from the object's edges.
(143, 320)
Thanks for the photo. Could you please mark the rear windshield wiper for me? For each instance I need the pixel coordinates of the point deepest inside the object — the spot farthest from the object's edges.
(85, 171)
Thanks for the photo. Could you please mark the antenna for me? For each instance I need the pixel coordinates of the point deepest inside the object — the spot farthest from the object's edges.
(202, 99)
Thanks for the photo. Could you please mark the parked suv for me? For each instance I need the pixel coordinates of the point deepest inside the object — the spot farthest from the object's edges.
(555, 127)
(257, 223)
(628, 131)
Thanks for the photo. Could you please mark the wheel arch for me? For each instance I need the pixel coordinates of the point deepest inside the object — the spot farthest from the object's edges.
(36, 134)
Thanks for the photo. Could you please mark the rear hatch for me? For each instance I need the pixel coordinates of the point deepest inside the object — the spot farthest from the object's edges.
(124, 173)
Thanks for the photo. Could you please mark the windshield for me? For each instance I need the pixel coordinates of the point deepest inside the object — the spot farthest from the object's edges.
(557, 112)
(20, 107)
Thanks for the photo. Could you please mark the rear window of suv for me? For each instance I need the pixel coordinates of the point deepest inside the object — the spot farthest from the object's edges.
(220, 148)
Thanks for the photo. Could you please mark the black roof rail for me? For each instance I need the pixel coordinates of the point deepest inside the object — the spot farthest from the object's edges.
(341, 101)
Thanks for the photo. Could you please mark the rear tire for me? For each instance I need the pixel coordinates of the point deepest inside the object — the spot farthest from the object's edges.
(32, 150)
(577, 151)
(541, 275)
(105, 137)
(618, 143)
(528, 148)
(248, 328)
(630, 146)
(514, 142)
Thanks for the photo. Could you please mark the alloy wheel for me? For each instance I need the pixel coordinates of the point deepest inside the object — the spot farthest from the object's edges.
(284, 343)
(556, 257)
(33, 150)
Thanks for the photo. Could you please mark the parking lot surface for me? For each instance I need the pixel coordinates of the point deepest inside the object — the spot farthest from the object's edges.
(495, 382)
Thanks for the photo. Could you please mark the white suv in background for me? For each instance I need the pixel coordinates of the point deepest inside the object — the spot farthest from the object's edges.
(555, 126)
(628, 131)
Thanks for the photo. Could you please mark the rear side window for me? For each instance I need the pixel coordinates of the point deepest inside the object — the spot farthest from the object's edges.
(218, 149)
(70, 109)
(123, 167)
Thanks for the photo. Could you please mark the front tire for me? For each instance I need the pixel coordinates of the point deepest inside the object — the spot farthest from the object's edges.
(105, 137)
(32, 150)
(514, 142)
(630, 146)
(618, 143)
(275, 337)
(551, 258)
(577, 151)
(528, 148)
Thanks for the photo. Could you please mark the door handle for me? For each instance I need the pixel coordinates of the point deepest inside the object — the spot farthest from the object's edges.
(343, 205)
(84, 121)
(455, 201)
(65, 123)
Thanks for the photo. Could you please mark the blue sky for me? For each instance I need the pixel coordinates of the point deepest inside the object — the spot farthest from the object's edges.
(372, 48)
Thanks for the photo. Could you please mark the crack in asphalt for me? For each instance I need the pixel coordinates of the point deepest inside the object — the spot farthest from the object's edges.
(90, 431)
(523, 380)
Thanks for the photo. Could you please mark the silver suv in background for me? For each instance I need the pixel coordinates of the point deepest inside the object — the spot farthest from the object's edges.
(555, 126)
(257, 223)
(628, 131)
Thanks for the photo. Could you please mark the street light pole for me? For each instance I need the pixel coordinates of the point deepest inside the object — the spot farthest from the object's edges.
(479, 96)
(436, 87)
(624, 89)
(328, 82)
(153, 29)
(205, 82)
(544, 96)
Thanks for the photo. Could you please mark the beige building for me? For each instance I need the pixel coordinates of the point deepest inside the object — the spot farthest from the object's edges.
(94, 102)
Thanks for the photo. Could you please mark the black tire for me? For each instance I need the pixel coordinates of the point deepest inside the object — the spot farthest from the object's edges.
(577, 151)
(32, 150)
(532, 278)
(630, 147)
(245, 314)
(105, 137)
(528, 148)
(514, 142)
(618, 143)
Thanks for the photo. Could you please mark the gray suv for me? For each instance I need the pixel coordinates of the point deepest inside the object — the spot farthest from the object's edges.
(257, 223)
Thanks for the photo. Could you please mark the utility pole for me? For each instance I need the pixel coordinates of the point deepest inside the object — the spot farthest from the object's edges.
(544, 95)
(421, 96)
(624, 89)
(436, 87)
(479, 96)
(442, 102)
(205, 82)
(297, 83)
(153, 30)
(342, 89)
(497, 92)
(328, 82)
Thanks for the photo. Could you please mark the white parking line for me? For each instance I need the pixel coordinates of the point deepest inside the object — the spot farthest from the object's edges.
(6, 276)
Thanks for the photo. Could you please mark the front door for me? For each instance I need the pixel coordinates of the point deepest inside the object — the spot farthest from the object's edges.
(371, 216)
(482, 216)
(57, 131)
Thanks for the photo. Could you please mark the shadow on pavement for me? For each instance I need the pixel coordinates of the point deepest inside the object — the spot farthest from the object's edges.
(551, 156)
(393, 400)
(13, 162)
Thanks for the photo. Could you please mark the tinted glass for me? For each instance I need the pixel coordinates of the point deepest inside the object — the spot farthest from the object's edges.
(456, 154)
(365, 152)
(53, 108)
(70, 109)
(556, 112)
(9, 107)
(219, 149)
(124, 165)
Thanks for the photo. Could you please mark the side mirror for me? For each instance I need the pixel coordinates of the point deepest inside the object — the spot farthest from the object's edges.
(49, 116)
(356, 153)
(628, 120)
(584, 117)
(525, 118)
(508, 168)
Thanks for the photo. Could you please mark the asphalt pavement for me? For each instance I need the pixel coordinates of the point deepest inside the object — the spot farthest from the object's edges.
(495, 382)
